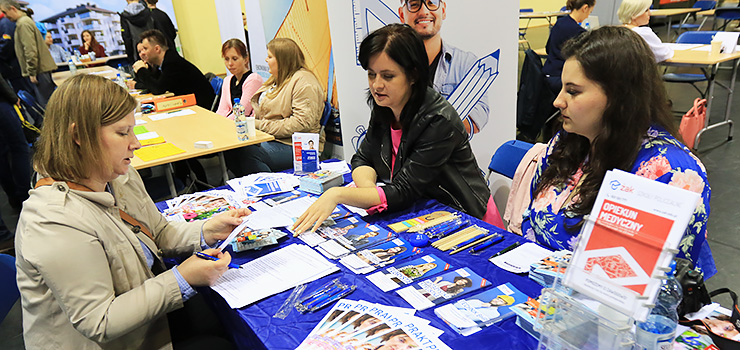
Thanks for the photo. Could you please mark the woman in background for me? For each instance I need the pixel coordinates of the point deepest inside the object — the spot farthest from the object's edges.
(290, 101)
(565, 28)
(240, 83)
(89, 44)
(635, 15)
(615, 116)
(415, 142)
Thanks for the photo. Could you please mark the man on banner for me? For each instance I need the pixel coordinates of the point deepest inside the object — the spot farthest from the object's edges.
(447, 64)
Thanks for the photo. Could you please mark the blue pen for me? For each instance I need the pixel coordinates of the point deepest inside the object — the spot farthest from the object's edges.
(334, 298)
(470, 240)
(319, 291)
(487, 244)
(328, 294)
(213, 258)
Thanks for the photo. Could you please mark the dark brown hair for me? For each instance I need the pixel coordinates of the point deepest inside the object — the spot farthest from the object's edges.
(237, 45)
(572, 5)
(620, 62)
(155, 37)
(93, 42)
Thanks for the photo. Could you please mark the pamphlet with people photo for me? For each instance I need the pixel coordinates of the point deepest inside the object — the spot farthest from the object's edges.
(437, 290)
(407, 272)
(469, 315)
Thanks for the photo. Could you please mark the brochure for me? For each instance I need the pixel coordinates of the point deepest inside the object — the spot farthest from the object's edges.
(469, 315)
(408, 272)
(437, 290)
(627, 240)
(383, 254)
(526, 313)
(550, 268)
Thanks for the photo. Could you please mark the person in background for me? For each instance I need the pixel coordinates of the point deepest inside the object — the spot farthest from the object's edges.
(90, 44)
(162, 22)
(565, 28)
(59, 54)
(33, 55)
(9, 66)
(240, 83)
(246, 31)
(415, 143)
(134, 21)
(90, 241)
(177, 74)
(635, 15)
(447, 64)
(290, 101)
(152, 70)
(615, 116)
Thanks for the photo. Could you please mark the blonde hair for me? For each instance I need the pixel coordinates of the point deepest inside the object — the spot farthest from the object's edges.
(289, 58)
(69, 146)
(629, 9)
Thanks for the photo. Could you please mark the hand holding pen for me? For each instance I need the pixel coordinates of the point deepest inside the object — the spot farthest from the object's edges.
(202, 272)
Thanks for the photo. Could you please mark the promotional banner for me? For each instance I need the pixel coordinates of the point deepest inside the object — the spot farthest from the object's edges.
(480, 64)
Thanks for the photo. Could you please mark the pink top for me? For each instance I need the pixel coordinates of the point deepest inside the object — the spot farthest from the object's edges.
(250, 86)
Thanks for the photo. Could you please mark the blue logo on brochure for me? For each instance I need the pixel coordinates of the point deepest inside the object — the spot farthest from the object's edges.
(615, 184)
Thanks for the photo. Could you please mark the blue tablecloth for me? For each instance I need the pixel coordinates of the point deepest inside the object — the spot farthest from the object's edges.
(253, 326)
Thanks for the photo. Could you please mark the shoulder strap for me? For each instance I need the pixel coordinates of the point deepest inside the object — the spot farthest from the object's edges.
(137, 226)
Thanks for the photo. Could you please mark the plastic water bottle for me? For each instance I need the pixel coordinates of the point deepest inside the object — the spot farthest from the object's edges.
(240, 120)
(121, 71)
(72, 67)
(121, 81)
(586, 24)
(658, 331)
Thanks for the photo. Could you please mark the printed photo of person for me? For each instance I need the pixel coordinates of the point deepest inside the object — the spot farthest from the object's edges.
(452, 288)
(396, 340)
(362, 240)
(484, 311)
(365, 336)
(386, 256)
(447, 63)
(362, 322)
(413, 271)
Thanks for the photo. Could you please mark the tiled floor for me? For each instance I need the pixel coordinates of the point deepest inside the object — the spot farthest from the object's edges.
(721, 158)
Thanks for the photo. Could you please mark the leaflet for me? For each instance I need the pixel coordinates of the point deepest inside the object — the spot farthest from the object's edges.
(627, 240)
(380, 255)
(408, 272)
(440, 289)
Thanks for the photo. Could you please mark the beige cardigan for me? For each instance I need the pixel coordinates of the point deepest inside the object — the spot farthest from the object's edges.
(82, 272)
(520, 193)
(296, 108)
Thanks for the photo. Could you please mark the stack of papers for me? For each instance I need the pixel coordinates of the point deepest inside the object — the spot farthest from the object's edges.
(521, 258)
(271, 274)
(200, 205)
(383, 254)
(337, 167)
(360, 324)
(262, 184)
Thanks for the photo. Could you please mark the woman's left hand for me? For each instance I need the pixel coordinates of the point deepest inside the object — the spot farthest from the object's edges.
(317, 212)
(219, 226)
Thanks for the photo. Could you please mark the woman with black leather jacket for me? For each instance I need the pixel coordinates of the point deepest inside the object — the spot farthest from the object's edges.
(415, 144)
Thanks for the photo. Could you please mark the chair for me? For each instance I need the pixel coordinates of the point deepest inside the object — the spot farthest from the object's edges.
(703, 5)
(697, 37)
(216, 83)
(501, 170)
(34, 108)
(523, 30)
(9, 293)
(728, 14)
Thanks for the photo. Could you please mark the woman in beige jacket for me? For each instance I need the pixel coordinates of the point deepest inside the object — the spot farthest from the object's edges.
(90, 241)
(291, 100)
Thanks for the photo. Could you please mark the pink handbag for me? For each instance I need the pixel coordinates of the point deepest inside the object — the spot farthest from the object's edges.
(692, 122)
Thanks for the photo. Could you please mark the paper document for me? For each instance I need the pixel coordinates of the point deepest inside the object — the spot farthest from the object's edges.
(147, 135)
(166, 115)
(519, 259)
(271, 274)
(158, 151)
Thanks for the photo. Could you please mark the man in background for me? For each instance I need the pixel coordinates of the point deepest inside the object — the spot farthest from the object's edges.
(9, 67)
(163, 23)
(33, 55)
(447, 64)
(135, 19)
(59, 54)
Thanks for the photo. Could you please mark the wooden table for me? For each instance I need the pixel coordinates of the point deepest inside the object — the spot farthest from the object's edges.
(184, 131)
(668, 13)
(98, 60)
(103, 71)
(529, 16)
(699, 58)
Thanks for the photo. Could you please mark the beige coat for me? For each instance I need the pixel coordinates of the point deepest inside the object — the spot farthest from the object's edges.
(82, 273)
(296, 108)
(32, 53)
(520, 193)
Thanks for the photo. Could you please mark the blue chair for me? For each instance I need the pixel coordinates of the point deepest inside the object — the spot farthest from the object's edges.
(9, 293)
(507, 157)
(216, 83)
(702, 5)
(697, 37)
(728, 14)
(523, 30)
(34, 108)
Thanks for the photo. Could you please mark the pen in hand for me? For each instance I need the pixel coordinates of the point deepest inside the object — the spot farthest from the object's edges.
(213, 258)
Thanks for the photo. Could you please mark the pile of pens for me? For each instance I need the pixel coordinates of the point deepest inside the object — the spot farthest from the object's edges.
(447, 227)
(474, 238)
(327, 294)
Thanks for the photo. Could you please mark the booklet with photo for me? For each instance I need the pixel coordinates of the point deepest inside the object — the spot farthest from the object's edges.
(548, 269)
(627, 239)
(437, 290)
(469, 315)
(357, 235)
(408, 272)
(526, 313)
(383, 254)
(200, 206)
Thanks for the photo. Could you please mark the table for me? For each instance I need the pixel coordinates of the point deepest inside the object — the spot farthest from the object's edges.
(184, 131)
(668, 13)
(697, 58)
(103, 71)
(529, 16)
(253, 326)
(98, 60)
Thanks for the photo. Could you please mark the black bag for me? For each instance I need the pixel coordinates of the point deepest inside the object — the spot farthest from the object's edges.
(30, 131)
(695, 294)
(719, 340)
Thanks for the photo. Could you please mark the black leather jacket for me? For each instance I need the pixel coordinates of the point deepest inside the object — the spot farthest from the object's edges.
(434, 160)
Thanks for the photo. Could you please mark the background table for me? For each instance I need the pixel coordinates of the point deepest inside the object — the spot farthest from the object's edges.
(184, 131)
(253, 326)
(669, 13)
(103, 71)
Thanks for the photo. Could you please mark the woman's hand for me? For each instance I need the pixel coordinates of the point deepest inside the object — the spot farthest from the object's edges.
(317, 212)
(219, 226)
(200, 272)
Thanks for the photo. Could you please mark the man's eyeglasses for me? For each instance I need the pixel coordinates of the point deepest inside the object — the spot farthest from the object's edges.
(415, 5)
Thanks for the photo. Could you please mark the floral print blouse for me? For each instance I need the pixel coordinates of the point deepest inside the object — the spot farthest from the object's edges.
(662, 158)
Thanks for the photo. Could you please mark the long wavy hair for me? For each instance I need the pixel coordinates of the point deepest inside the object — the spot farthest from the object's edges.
(621, 63)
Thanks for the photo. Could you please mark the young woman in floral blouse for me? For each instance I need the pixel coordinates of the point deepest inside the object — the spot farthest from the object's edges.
(614, 117)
